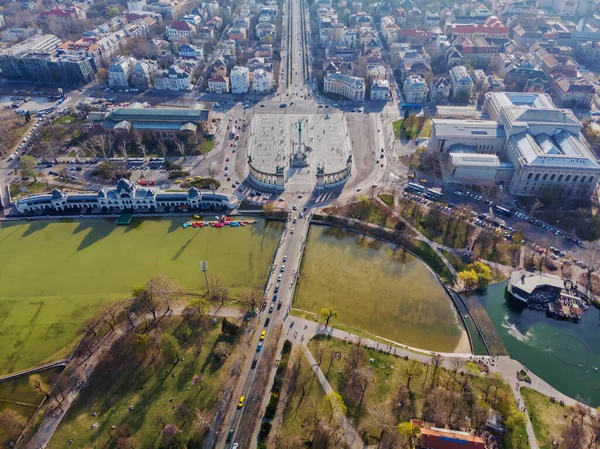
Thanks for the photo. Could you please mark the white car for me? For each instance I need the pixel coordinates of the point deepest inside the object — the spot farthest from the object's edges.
(292, 231)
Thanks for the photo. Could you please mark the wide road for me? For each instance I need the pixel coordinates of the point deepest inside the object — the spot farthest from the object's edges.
(255, 381)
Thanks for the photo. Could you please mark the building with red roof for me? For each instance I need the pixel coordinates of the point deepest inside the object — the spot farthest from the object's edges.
(437, 438)
(492, 28)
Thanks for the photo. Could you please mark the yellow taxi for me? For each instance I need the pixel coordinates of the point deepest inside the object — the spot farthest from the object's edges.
(198, 177)
(424, 181)
(179, 181)
(241, 403)
(263, 335)
(188, 179)
(411, 176)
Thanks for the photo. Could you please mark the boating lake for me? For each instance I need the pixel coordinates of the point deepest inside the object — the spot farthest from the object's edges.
(378, 288)
(562, 353)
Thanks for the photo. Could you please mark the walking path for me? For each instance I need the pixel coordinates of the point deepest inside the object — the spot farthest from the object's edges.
(504, 365)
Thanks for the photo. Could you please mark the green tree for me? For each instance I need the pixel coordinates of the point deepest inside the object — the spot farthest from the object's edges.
(469, 278)
(515, 420)
(141, 343)
(195, 310)
(36, 382)
(332, 405)
(327, 313)
(483, 273)
(169, 348)
(27, 166)
(408, 433)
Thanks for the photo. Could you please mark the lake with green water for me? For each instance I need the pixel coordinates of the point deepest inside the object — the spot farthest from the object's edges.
(562, 353)
(378, 288)
(56, 274)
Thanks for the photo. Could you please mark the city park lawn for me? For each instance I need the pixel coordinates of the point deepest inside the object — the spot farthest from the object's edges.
(54, 275)
(18, 395)
(376, 287)
(547, 418)
(389, 374)
(153, 387)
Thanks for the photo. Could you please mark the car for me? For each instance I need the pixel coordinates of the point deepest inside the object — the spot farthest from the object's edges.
(178, 181)
(283, 105)
(282, 268)
(276, 289)
(259, 347)
(271, 309)
(262, 105)
(241, 402)
(238, 182)
(292, 231)
(227, 159)
(294, 220)
(294, 207)
(254, 362)
(263, 334)
(267, 321)
(226, 167)
(229, 436)
(235, 446)
(227, 174)
(279, 278)
(284, 258)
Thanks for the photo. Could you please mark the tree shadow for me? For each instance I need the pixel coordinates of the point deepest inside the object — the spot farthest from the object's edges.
(35, 226)
(96, 234)
(183, 247)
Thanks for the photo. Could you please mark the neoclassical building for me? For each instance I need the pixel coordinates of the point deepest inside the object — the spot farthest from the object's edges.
(527, 144)
(126, 196)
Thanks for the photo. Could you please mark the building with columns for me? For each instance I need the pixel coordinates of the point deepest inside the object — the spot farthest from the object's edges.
(528, 145)
(125, 196)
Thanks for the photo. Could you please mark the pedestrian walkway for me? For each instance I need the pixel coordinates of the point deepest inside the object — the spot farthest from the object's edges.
(504, 365)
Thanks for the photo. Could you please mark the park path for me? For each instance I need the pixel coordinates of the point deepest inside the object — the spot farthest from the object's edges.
(83, 369)
(352, 437)
(303, 330)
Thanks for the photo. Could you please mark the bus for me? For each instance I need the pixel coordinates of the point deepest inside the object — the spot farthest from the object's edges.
(415, 187)
(433, 194)
(502, 210)
(45, 110)
(117, 160)
(232, 136)
(135, 161)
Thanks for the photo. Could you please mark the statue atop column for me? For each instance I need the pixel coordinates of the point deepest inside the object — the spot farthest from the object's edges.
(300, 156)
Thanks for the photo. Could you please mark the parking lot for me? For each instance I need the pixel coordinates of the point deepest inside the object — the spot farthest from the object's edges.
(33, 104)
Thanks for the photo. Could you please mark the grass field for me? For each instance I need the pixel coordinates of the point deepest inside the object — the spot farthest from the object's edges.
(18, 395)
(54, 275)
(547, 418)
(154, 388)
(377, 289)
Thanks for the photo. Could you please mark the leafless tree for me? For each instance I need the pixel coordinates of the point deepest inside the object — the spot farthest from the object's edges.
(217, 292)
(382, 419)
(222, 350)
(180, 145)
(202, 421)
(412, 369)
(164, 288)
(253, 298)
(162, 146)
(436, 362)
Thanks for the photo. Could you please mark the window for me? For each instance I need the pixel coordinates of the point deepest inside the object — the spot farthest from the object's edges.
(582, 179)
(545, 176)
(560, 178)
(537, 176)
(591, 179)
(575, 178)
(552, 177)
(568, 178)
(529, 175)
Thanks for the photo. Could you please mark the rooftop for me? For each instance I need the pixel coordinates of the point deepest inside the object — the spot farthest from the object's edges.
(468, 128)
(528, 282)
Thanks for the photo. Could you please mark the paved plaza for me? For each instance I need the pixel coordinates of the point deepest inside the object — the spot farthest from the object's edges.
(274, 139)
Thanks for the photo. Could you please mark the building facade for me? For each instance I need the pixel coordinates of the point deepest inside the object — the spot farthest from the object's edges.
(218, 84)
(351, 87)
(262, 82)
(461, 82)
(126, 196)
(174, 79)
(240, 80)
(528, 145)
(119, 72)
(415, 90)
(380, 90)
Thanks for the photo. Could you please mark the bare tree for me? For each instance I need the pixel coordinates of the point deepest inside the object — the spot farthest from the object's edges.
(217, 292)
(164, 288)
(382, 419)
(222, 350)
(202, 421)
(180, 145)
(413, 369)
(162, 146)
(253, 298)
(195, 310)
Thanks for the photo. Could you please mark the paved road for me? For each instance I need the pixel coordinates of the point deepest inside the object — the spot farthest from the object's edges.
(254, 381)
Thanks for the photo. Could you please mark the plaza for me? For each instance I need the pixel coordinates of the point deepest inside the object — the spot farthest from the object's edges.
(324, 146)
